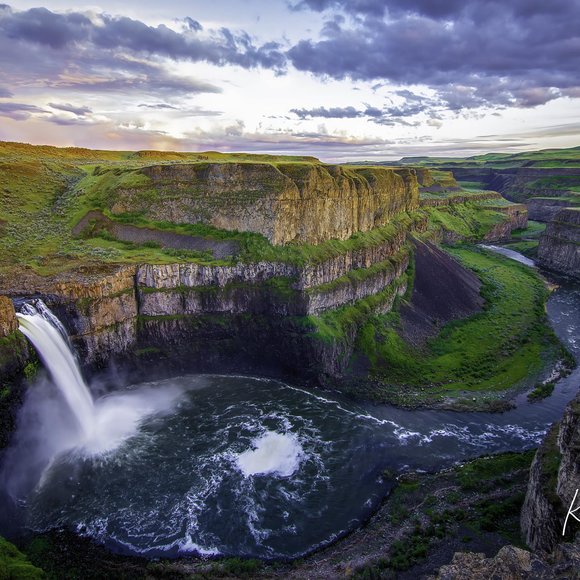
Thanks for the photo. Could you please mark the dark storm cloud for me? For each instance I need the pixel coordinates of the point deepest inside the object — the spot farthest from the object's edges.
(18, 111)
(67, 107)
(42, 27)
(520, 53)
(432, 8)
(389, 115)
(91, 71)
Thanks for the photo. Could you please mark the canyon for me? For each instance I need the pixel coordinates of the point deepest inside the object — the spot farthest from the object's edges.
(340, 277)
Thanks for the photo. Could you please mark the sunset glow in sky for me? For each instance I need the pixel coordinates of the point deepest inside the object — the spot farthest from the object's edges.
(341, 80)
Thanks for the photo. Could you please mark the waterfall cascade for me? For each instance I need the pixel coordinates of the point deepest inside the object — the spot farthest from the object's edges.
(100, 425)
(50, 339)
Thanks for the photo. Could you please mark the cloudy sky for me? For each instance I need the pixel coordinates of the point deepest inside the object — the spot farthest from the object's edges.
(339, 79)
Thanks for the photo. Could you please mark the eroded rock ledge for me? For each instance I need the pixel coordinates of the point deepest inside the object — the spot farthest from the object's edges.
(286, 202)
(559, 247)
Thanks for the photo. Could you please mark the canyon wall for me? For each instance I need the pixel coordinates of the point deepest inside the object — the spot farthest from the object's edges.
(254, 317)
(544, 209)
(292, 202)
(517, 219)
(13, 346)
(554, 479)
(559, 247)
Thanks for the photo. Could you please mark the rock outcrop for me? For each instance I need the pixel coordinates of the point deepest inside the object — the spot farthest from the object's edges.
(554, 479)
(459, 198)
(13, 346)
(8, 322)
(294, 202)
(517, 218)
(510, 563)
(544, 209)
(559, 247)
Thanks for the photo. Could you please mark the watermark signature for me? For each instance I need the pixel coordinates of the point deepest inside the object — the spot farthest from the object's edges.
(571, 512)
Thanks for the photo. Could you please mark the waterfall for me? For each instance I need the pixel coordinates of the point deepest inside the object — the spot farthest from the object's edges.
(49, 338)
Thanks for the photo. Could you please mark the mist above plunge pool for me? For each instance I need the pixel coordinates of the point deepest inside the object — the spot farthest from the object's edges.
(247, 466)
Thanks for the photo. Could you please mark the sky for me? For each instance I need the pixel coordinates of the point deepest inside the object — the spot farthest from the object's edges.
(338, 79)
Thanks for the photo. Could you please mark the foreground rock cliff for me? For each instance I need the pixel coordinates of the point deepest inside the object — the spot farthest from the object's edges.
(554, 479)
(559, 247)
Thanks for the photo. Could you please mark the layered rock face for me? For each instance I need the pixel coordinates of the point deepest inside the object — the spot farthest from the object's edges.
(517, 183)
(554, 479)
(13, 349)
(517, 218)
(304, 203)
(8, 322)
(544, 209)
(559, 247)
(459, 198)
(236, 317)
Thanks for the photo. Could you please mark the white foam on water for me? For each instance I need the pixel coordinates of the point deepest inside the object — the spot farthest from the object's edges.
(188, 546)
(273, 453)
(119, 416)
(102, 425)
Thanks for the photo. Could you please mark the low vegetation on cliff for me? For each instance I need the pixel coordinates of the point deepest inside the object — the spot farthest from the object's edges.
(507, 344)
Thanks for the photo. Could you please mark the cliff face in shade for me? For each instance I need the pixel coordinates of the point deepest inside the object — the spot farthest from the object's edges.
(211, 317)
(559, 247)
(14, 355)
(544, 209)
(297, 202)
(554, 479)
(443, 290)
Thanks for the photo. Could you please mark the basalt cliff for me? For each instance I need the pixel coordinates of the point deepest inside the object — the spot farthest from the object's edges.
(286, 202)
(559, 247)
(268, 265)
(551, 492)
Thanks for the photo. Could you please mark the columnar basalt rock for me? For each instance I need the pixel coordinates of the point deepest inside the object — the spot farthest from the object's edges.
(459, 198)
(293, 202)
(8, 322)
(554, 479)
(544, 209)
(13, 348)
(516, 219)
(559, 247)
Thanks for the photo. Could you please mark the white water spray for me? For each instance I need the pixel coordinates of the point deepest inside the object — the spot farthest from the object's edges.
(102, 424)
(38, 326)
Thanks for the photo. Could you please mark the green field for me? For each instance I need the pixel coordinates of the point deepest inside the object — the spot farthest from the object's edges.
(46, 190)
(506, 344)
(544, 158)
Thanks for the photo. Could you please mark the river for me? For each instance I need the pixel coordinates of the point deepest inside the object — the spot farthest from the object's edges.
(248, 466)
